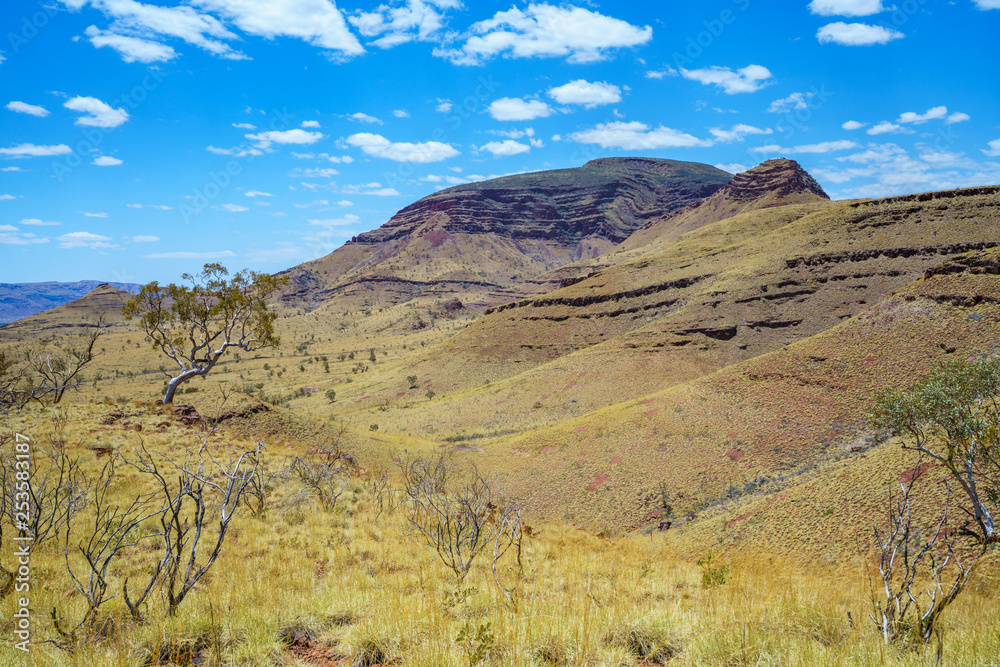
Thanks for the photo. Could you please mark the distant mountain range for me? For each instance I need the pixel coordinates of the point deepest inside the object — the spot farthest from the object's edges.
(19, 300)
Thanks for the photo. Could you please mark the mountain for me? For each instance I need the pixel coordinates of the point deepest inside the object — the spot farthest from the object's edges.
(475, 240)
(104, 300)
(19, 300)
(724, 293)
(772, 183)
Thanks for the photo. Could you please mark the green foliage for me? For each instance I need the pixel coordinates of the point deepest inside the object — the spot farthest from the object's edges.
(430, 394)
(196, 324)
(412, 379)
(712, 574)
(476, 642)
(331, 395)
(953, 416)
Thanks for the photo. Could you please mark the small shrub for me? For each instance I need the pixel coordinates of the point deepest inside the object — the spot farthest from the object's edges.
(712, 575)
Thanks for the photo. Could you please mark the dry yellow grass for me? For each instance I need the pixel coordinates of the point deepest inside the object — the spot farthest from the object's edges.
(354, 578)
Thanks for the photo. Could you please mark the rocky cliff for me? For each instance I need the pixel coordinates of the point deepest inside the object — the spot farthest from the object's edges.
(486, 236)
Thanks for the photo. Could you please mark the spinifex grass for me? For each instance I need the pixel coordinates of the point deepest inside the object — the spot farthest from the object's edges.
(359, 581)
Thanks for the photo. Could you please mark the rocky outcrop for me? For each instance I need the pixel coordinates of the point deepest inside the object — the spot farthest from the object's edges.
(778, 178)
(482, 238)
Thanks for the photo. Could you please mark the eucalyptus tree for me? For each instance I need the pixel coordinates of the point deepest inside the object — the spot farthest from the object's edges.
(195, 325)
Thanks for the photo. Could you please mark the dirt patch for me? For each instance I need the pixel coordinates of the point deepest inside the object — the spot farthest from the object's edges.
(911, 475)
(599, 479)
(735, 454)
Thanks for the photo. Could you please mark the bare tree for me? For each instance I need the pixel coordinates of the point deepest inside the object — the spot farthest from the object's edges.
(56, 490)
(508, 536)
(458, 523)
(919, 577)
(196, 325)
(17, 386)
(205, 487)
(108, 537)
(320, 477)
(58, 370)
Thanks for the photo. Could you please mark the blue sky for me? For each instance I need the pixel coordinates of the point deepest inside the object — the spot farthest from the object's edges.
(140, 140)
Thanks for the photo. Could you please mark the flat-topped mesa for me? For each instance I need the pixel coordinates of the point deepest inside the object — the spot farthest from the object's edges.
(607, 198)
(781, 177)
(477, 238)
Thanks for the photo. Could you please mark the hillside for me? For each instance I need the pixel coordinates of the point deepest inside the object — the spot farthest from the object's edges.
(472, 241)
(19, 300)
(104, 300)
(727, 292)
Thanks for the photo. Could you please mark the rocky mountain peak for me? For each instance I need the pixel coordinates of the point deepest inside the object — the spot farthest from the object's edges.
(781, 177)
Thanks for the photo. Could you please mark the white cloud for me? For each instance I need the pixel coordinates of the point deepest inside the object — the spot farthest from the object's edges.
(846, 7)
(87, 214)
(235, 208)
(106, 161)
(2, 58)
(257, 193)
(856, 34)
(661, 73)
(586, 93)
(39, 223)
(313, 173)
(886, 127)
(349, 219)
(84, 240)
(370, 189)
(505, 147)
(917, 119)
(513, 108)
(745, 80)
(32, 150)
(245, 126)
(957, 117)
(365, 118)
(636, 136)
(317, 22)
(400, 113)
(738, 132)
(191, 255)
(97, 113)
(853, 125)
(145, 239)
(416, 20)
(141, 20)
(987, 4)
(239, 151)
(308, 123)
(31, 109)
(6, 197)
(286, 137)
(994, 148)
(10, 236)
(131, 49)
(443, 105)
(547, 31)
(793, 102)
(11, 169)
(734, 168)
(824, 147)
(378, 146)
